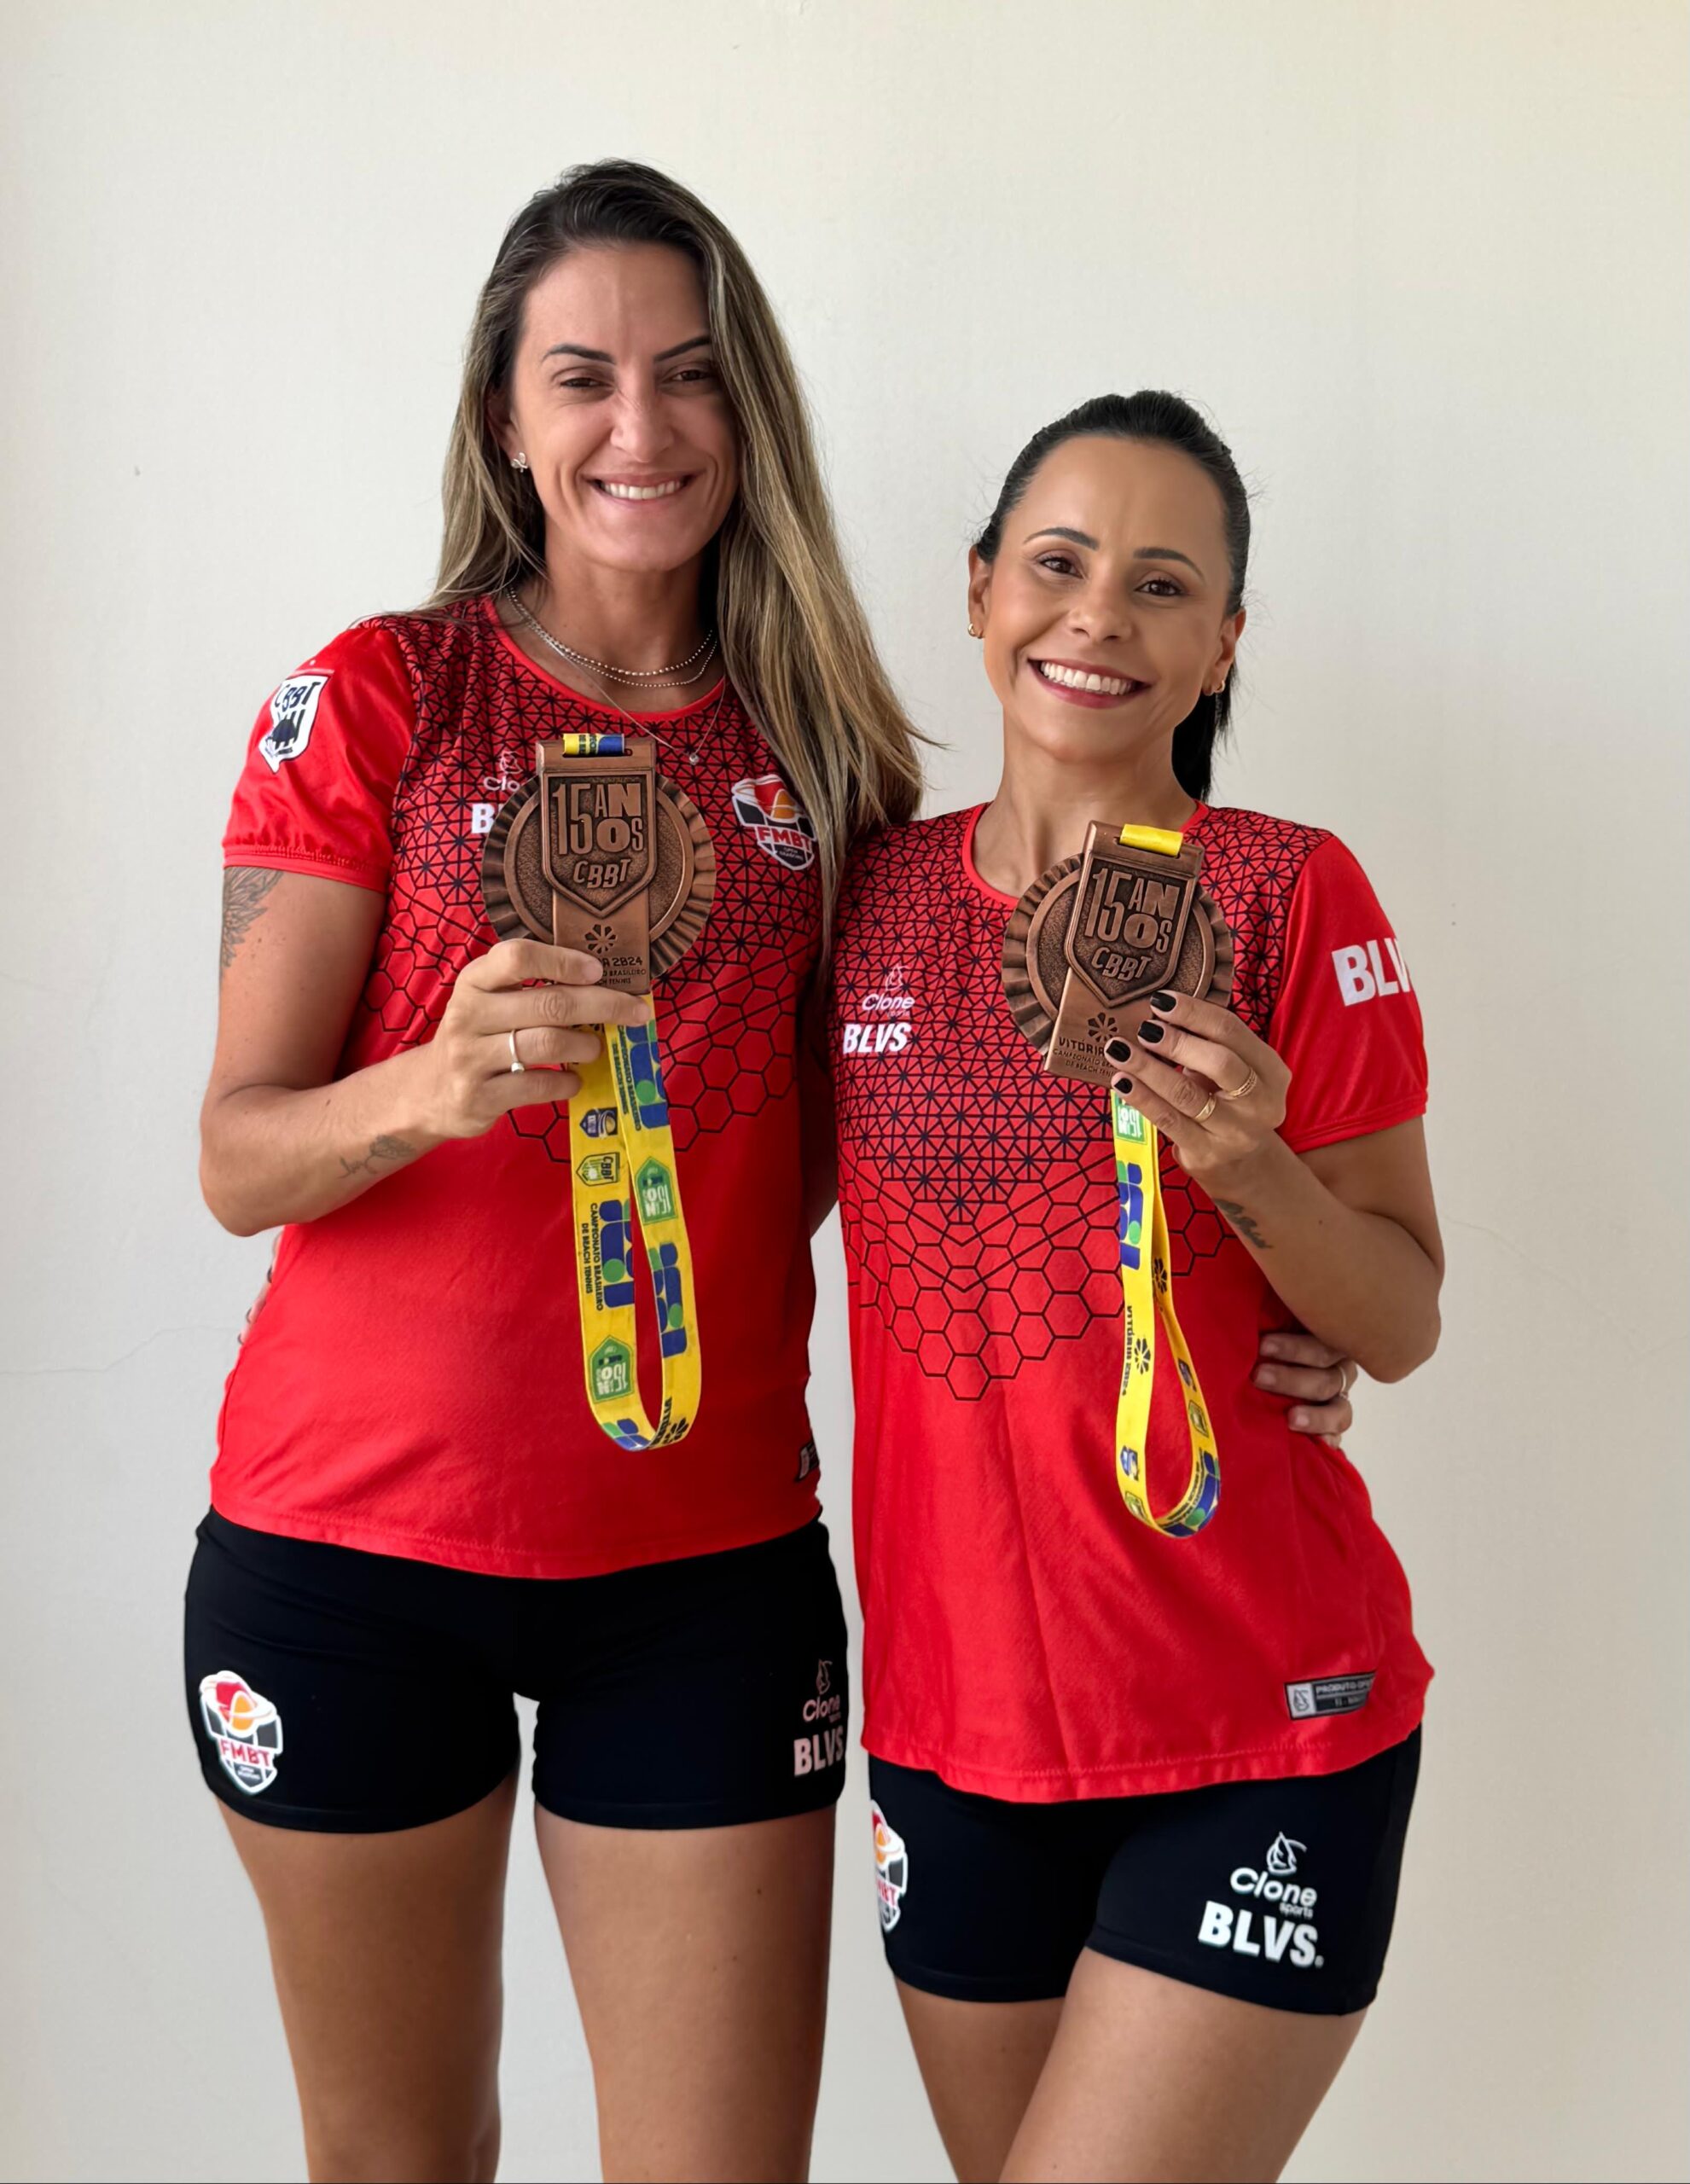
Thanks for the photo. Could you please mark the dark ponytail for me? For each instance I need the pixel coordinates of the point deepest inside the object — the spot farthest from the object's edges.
(1169, 422)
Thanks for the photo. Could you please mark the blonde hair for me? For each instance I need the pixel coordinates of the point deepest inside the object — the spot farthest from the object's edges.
(793, 635)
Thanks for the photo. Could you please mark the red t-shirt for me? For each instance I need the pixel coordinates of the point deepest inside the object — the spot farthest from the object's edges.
(413, 1382)
(1025, 1636)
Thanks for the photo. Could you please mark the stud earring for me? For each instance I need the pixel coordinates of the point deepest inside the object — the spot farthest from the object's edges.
(519, 461)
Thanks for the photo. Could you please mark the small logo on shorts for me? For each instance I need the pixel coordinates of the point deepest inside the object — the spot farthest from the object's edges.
(244, 1726)
(823, 1744)
(891, 1869)
(1287, 1934)
(1327, 1694)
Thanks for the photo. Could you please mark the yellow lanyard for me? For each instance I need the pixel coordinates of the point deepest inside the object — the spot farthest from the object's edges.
(622, 1156)
(1147, 1294)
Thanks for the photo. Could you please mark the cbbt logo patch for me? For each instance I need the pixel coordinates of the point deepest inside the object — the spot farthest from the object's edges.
(291, 711)
(891, 1868)
(244, 1726)
(779, 824)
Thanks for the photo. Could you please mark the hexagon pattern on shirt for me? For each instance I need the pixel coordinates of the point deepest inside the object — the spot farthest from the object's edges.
(977, 1194)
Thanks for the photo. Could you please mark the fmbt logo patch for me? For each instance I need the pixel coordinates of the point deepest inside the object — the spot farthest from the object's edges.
(779, 824)
(291, 711)
(891, 1868)
(244, 1726)
(1363, 974)
(1287, 1933)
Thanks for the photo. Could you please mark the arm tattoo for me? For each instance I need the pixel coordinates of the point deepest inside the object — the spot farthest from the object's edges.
(245, 887)
(380, 1148)
(1241, 1221)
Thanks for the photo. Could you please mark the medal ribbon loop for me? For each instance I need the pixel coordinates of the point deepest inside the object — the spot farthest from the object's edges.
(1147, 1295)
(621, 1156)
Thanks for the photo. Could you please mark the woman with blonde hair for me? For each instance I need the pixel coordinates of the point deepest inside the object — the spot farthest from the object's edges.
(420, 1505)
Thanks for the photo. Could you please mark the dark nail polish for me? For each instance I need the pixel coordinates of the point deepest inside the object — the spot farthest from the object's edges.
(1123, 1085)
(1164, 1002)
(1150, 1034)
(1117, 1050)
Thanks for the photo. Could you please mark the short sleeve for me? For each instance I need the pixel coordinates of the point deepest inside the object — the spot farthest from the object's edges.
(316, 793)
(1346, 1022)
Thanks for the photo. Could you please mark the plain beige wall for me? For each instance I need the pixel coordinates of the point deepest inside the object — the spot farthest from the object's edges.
(1425, 262)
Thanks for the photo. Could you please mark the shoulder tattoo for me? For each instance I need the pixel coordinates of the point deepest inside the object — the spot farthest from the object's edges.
(246, 888)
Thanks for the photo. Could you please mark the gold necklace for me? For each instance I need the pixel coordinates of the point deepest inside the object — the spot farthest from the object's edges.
(603, 667)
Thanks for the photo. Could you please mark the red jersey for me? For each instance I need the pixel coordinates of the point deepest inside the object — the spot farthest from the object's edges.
(1026, 1637)
(412, 1384)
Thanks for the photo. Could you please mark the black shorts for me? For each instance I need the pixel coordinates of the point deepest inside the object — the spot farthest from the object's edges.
(352, 1693)
(1279, 1892)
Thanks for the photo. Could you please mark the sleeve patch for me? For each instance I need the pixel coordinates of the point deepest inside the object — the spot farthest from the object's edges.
(292, 712)
(1370, 970)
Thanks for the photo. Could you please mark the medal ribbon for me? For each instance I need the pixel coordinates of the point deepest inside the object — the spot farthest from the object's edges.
(622, 1155)
(1147, 1295)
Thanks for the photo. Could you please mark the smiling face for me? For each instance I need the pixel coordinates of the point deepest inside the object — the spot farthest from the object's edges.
(617, 404)
(1106, 613)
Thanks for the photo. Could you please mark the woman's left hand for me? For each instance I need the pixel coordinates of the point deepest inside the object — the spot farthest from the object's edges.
(1214, 1090)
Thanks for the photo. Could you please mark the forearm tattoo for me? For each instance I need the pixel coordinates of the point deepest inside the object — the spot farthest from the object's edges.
(245, 888)
(1241, 1221)
(380, 1148)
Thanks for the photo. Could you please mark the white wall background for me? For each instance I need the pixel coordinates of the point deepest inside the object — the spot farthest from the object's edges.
(1426, 262)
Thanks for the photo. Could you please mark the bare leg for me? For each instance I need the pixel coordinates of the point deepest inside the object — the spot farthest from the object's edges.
(386, 1951)
(1151, 2080)
(980, 2062)
(700, 1958)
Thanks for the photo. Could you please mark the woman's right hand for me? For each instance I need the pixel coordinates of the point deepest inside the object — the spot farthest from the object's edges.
(466, 1080)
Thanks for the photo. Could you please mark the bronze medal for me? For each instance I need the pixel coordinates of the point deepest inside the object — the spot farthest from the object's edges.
(1095, 936)
(601, 852)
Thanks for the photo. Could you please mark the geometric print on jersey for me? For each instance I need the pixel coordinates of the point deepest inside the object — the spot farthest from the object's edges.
(727, 1014)
(977, 1195)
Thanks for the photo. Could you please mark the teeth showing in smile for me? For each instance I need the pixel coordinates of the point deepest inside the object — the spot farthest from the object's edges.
(1073, 678)
(639, 492)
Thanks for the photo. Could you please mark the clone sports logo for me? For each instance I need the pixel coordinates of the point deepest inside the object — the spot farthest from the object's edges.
(779, 824)
(823, 1746)
(244, 1726)
(888, 1010)
(1287, 1934)
(891, 1868)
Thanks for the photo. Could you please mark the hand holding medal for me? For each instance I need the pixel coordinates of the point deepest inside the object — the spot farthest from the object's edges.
(598, 853)
(1090, 942)
(1202, 1079)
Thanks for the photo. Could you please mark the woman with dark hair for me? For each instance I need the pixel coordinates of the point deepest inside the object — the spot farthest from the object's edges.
(425, 1499)
(1142, 1709)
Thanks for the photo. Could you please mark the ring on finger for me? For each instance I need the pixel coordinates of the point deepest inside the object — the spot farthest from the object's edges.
(1244, 1090)
(1207, 1109)
(518, 1066)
